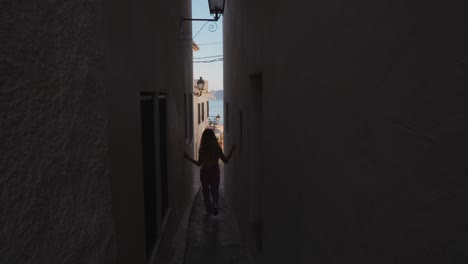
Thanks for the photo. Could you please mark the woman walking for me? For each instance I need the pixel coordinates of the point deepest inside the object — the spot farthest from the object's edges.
(209, 154)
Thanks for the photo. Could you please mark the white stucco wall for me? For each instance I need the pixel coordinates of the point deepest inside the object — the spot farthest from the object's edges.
(200, 127)
(146, 53)
(55, 191)
(71, 171)
(363, 130)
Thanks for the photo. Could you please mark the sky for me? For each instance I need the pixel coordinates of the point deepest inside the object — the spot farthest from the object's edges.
(213, 72)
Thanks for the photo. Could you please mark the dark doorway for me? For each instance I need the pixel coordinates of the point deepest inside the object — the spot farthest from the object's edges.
(149, 169)
(241, 131)
(256, 81)
(163, 153)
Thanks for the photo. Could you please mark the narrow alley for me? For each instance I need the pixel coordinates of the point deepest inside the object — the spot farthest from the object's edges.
(214, 239)
(349, 121)
(205, 239)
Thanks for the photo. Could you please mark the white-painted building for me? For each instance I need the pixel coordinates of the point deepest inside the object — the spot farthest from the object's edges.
(200, 115)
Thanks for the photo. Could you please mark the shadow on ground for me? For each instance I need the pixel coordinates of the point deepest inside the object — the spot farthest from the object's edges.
(214, 239)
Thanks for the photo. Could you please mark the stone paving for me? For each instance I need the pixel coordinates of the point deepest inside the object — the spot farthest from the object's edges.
(214, 239)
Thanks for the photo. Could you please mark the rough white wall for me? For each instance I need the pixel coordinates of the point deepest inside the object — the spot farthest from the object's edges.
(199, 127)
(144, 52)
(54, 191)
(364, 129)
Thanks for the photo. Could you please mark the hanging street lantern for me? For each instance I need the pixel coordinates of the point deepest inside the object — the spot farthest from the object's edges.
(216, 8)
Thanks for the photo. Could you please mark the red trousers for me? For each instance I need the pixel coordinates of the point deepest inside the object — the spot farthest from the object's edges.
(209, 178)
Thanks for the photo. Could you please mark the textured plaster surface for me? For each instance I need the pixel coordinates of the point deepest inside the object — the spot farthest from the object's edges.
(364, 129)
(54, 186)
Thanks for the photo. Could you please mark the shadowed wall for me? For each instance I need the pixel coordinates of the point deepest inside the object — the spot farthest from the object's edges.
(71, 75)
(54, 171)
(363, 125)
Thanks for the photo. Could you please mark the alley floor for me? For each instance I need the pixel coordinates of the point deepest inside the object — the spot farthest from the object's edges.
(214, 239)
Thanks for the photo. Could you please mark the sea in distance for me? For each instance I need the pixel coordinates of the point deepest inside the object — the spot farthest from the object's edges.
(216, 107)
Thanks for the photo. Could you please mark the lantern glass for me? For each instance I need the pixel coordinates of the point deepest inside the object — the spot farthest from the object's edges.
(200, 84)
(216, 6)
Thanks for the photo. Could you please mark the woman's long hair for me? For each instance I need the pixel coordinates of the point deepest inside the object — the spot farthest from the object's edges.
(209, 143)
